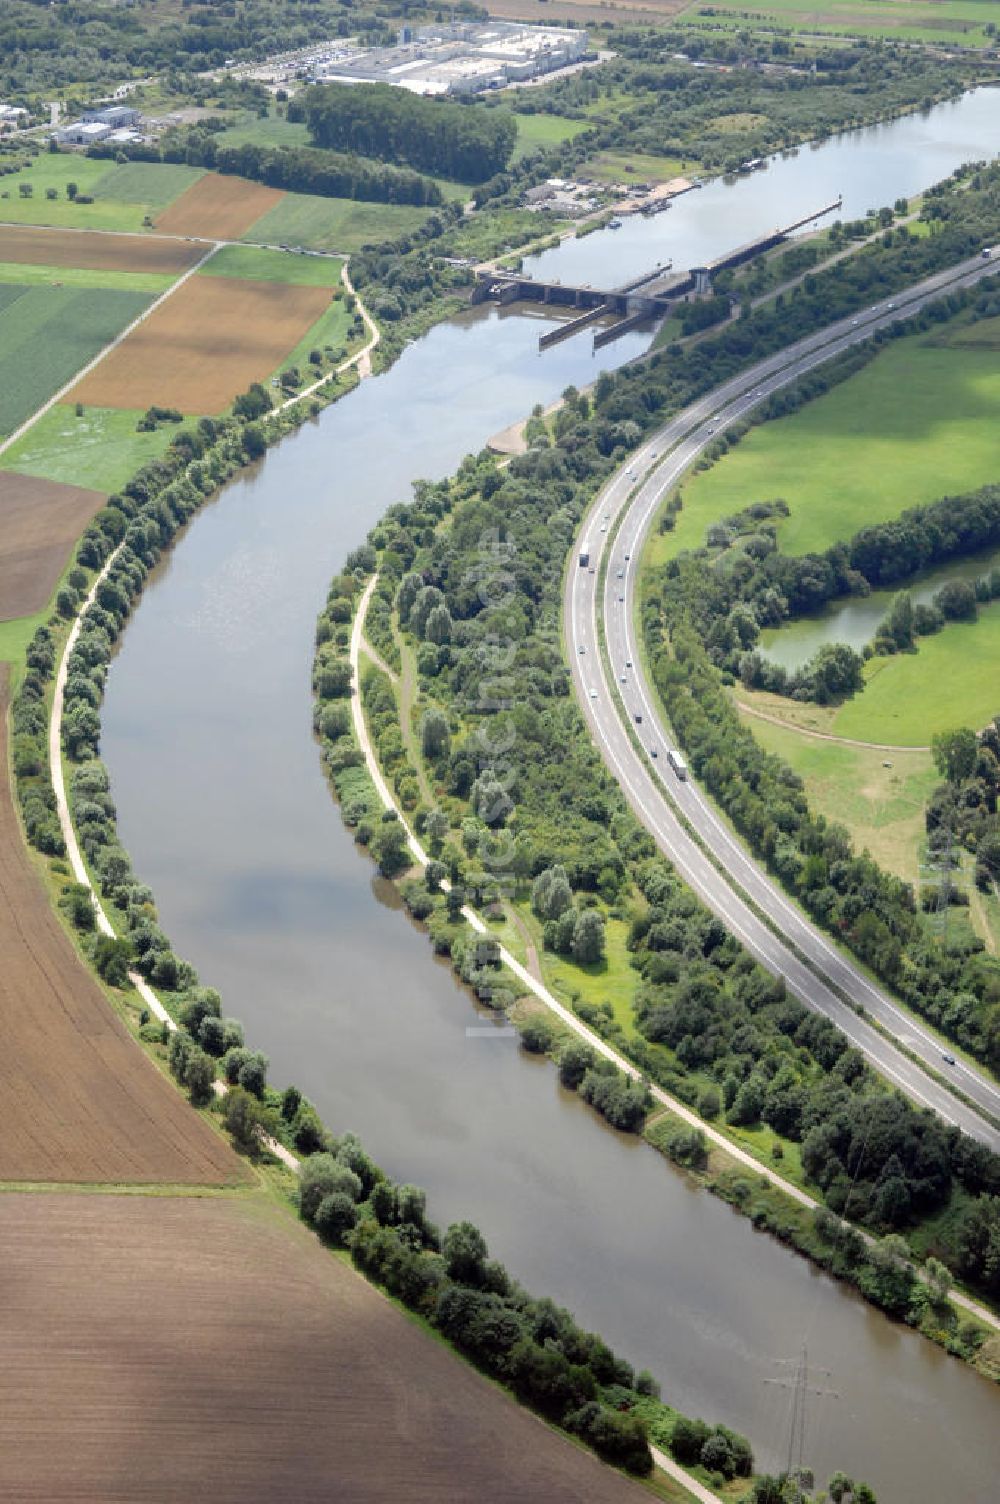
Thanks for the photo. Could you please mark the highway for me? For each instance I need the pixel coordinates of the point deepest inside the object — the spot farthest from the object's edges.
(714, 861)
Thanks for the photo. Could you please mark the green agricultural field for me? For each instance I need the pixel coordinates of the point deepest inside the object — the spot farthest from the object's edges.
(26, 275)
(47, 334)
(922, 20)
(951, 680)
(99, 450)
(919, 421)
(545, 130)
(882, 807)
(333, 224)
(261, 265)
(151, 185)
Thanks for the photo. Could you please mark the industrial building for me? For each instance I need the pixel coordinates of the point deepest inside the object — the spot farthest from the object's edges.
(456, 60)
(113, 122)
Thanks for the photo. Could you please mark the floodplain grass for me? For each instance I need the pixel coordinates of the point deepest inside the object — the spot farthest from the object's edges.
(27, 275)
(101, 449)
(953, 679)
(333, 224)
(881, 807)
(534, 131)
(921, 420)
(47, 334)
(260, 264)
(636, 167)
(252, 131)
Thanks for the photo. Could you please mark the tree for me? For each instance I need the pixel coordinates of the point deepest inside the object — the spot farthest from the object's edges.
(551, 893)
(899, 622)
(335, 1216)
(112, 959)
(435, 735)
(955, 753)
(199, 1077)
(465, 1253)
(438, 625)
(588, 937)
(244, 1119)
(322, 1176)
(939, 1280)
(390, 847)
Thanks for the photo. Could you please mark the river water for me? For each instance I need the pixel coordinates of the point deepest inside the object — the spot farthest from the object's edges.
(224, 808)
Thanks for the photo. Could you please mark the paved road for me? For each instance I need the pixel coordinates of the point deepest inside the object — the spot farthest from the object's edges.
(659, 798)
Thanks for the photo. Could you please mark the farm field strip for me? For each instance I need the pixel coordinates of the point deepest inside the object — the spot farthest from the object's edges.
(95, 250)
(40, 521)
(333, 224)
(79, 1101)
(208, 343)
(28, 274)
(218, 206)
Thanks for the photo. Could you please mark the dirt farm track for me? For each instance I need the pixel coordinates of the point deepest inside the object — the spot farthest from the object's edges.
(204, 345)
(79, 1101)
(160, 1350)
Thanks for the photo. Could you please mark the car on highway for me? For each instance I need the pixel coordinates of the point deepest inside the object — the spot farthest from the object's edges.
(638, 718)
(948, 1058)
(621, 574)
(604, 527)
(653, 752)
(593, 694)
(621, 598)
(583, 647)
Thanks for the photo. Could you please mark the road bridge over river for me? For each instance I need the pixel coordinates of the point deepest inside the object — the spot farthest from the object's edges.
(648, 296)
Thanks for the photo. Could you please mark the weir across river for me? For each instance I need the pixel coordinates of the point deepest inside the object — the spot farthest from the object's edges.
(648, 296)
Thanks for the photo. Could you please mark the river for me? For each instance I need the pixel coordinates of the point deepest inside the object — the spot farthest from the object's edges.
(224, 808)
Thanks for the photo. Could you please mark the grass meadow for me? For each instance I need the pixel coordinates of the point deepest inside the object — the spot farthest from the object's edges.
(938, 21)
(123, 195)
(99, 450)
(921, 420)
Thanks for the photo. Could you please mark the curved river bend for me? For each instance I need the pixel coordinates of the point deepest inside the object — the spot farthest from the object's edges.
(223, 805)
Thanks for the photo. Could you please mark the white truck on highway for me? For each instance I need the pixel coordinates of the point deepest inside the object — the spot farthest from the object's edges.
(677, 762)
(584, 555)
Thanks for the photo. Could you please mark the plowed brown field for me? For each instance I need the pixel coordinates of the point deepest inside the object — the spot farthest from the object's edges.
(39, 522)
(91, 251)
(79, 1101)
(162, 1350)
(204, 345)
(219, 207)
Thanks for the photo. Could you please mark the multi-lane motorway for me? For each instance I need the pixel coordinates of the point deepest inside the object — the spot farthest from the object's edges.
(686, 827)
